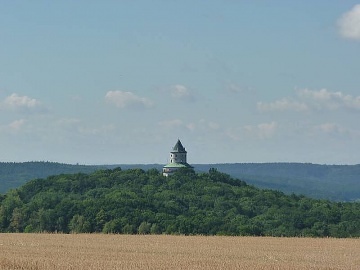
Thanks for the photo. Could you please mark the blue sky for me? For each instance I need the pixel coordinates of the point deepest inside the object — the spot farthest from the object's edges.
(106, 82)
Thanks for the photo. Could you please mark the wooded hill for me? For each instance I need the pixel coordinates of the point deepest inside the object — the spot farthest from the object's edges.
(138, 201)
(333, 182)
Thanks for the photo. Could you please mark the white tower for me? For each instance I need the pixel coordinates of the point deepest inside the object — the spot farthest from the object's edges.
(178, 154)
(177, 159)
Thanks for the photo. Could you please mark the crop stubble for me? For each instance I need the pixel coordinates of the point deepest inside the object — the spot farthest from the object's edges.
(101, 251)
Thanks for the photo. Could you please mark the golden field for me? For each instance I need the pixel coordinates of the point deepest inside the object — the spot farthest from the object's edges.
(102, 251)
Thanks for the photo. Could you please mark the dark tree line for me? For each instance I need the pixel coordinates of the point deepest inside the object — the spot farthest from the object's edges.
(145, 202)
(333, 182)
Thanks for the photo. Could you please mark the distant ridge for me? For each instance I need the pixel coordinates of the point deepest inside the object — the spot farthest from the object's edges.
(136, 201)
(15, 174)
(333, 182)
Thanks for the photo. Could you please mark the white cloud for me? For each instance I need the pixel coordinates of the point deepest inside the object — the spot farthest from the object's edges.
(123, 99)
(213, 125)
(13, 127)
(324, 99)
(201, 125)
(330, 128)
(206, 125)
(262, 131)
(74, 124)
(233, 133)
(320, 95)
(312, 100)
(16, 102)
(16, 125)
(337, 131)
(234, 88)
(284, 104)
(174, 123)
(191, 126)
(349, 23)
(68, 121)
(352, 102)
(102, 130)
(179, 91)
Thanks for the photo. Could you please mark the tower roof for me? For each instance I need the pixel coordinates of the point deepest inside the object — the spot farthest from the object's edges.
(179, 147)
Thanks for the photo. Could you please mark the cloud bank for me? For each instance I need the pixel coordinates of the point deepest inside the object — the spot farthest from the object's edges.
(349, 23)
(123, 100)
(284, 104)
(16, 102)
(181, 92)
(308, 100)
(262, 131)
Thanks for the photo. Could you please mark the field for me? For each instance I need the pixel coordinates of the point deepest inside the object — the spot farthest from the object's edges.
(100, 251)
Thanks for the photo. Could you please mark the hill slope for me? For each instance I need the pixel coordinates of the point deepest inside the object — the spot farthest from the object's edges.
(135, 201)
(13, 175)
(334, 182)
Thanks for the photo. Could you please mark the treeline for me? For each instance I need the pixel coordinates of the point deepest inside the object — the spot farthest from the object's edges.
(144, 202)
(332, 182)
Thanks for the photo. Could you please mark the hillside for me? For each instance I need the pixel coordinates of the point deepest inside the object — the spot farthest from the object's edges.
(333, 182)
(13, 175)
(138, 201)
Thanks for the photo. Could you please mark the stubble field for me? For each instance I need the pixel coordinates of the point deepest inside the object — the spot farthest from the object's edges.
(99, 251)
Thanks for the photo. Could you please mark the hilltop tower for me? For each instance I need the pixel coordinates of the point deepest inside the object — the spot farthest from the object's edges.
(177, 159)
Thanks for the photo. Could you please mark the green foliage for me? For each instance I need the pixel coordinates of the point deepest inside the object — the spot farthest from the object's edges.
(79, 224)
(333, 182)
(144, 228)
(145, 202)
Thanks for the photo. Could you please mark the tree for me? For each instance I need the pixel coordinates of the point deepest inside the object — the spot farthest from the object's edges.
(144, 228)
(12, 201)
(17, 220)
(79, 224)
(101, 218)
(128, 229)
(155, 229)
(113, 226)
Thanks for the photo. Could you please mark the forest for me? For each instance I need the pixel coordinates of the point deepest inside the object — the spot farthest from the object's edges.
(135, 201)
(332, 182)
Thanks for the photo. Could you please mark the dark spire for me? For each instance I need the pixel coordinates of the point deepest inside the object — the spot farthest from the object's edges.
(179, 147)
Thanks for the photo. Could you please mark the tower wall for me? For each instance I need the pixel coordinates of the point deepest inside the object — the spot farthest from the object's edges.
(176, 157)
(177, 160)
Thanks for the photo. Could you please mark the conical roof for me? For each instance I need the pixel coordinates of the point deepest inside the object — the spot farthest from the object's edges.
(179, 147)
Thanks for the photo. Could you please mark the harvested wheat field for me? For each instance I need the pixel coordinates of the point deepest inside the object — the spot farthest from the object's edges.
(100, 251)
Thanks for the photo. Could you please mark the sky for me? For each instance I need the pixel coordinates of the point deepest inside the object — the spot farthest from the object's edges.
(119, 82)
